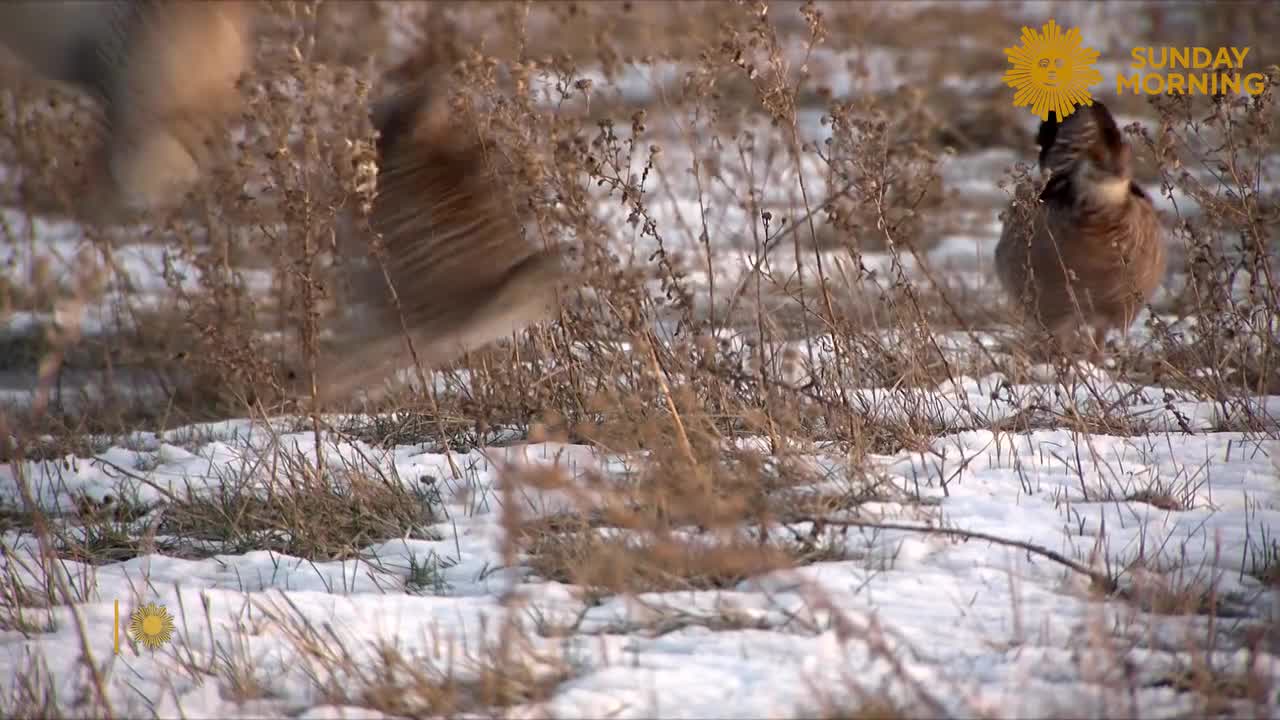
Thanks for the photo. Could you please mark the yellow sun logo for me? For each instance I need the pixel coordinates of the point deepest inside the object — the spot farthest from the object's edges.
(151, 625)
(1051, 71)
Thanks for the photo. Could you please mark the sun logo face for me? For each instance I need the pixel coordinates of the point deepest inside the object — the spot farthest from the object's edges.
(1051, 71)
(151, 625)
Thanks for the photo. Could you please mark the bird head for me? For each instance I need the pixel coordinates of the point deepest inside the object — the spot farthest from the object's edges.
(1089, 150)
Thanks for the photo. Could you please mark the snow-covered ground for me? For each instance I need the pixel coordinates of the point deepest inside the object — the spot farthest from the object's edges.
(934, 625)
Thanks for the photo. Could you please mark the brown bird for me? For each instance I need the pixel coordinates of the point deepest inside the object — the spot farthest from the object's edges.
(1089, 253)
(165, 74)
(463, 272)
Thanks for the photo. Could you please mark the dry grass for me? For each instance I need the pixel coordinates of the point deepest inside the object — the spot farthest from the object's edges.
(669, 353)
(275, 498)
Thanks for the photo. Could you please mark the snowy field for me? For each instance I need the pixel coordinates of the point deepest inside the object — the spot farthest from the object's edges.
(966, 628)
(1015, 540)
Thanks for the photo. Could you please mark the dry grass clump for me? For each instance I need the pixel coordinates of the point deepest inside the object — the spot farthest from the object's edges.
(328, 514)
(397, 682)
(1229, 243)
(677, 521)
(276, 499)
(605, 566)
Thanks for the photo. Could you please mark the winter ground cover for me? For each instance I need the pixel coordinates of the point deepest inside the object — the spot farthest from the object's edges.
(783, 457)
(900, 616)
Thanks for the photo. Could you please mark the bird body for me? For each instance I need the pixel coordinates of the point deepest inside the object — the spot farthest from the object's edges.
(167, 74)
(137, 57)
(463, 272)
(1089, 251)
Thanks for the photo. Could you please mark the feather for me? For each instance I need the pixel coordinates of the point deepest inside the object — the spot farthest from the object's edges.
(463, 271)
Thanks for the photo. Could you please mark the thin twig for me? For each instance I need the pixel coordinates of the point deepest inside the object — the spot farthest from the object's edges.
(1102, 580)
